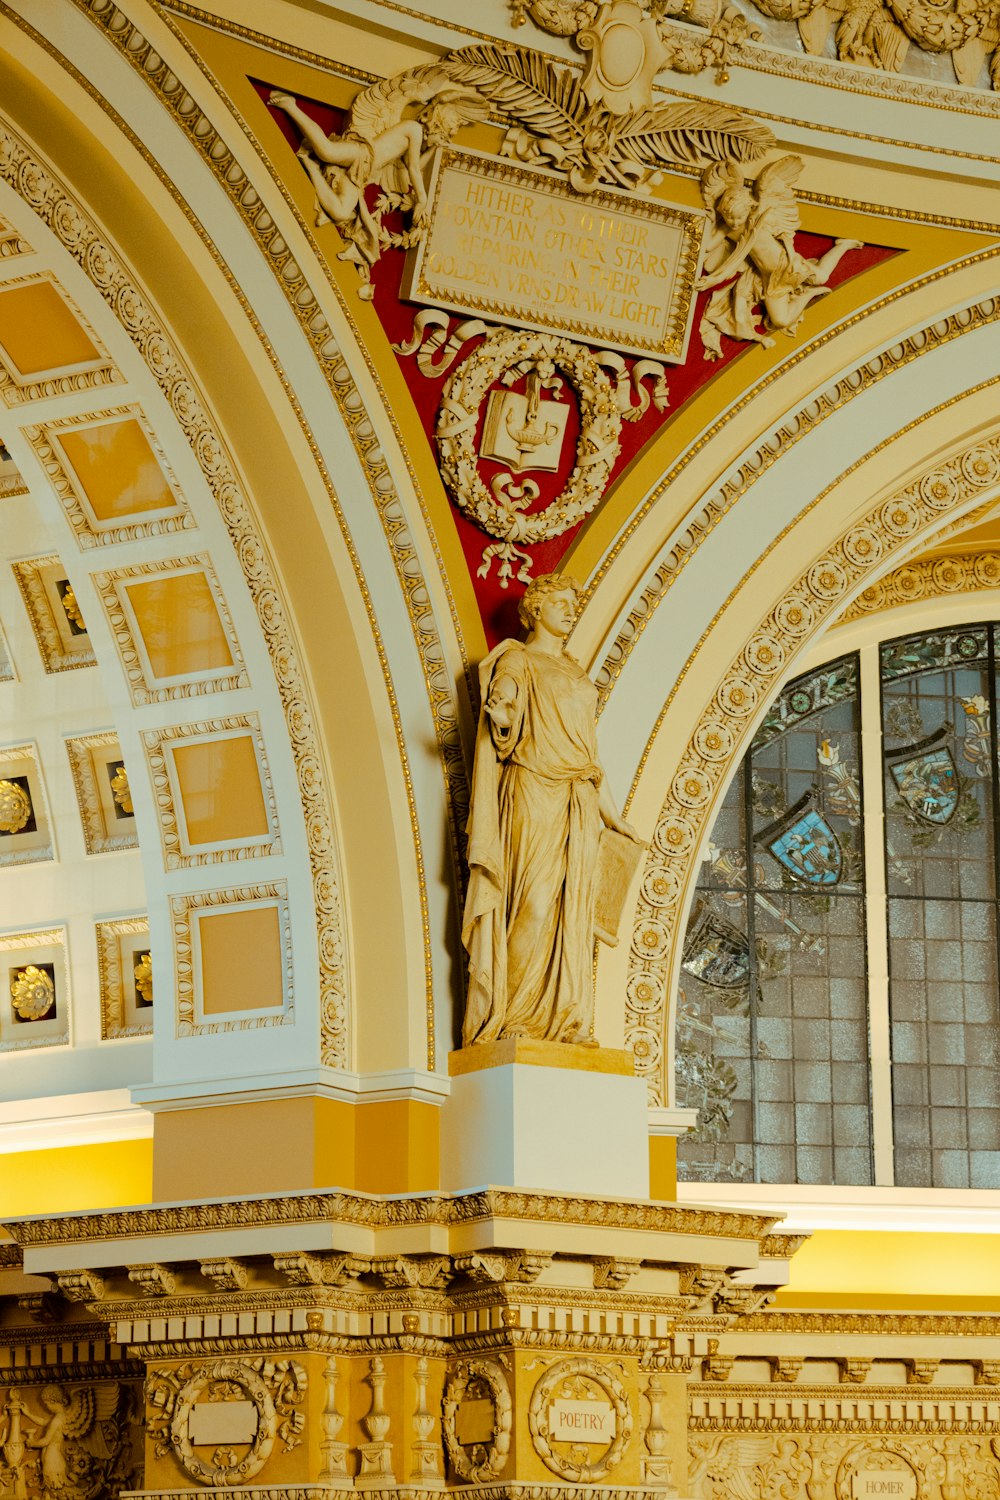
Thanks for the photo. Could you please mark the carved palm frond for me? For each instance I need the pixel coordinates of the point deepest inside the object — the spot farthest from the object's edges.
(694, 133)
(546, 99)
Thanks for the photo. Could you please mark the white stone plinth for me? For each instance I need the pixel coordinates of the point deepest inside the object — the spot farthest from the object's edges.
(556, 1117)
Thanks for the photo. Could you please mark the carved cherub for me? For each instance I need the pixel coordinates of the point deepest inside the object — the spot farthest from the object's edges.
(382, 146)
(75, 1416)
(753, 239)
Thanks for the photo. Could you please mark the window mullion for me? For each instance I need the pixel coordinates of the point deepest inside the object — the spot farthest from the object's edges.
(876, 915)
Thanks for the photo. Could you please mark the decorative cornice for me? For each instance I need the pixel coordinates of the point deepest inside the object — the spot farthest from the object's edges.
(389, 1213)
(868, 1325)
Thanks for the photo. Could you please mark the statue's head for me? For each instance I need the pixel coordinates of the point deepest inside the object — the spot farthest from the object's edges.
(530, 604)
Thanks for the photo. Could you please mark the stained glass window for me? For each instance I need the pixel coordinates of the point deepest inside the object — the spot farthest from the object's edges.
(836, 1024)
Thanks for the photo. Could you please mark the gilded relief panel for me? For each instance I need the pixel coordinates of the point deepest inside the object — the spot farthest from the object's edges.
(25, 828)
(213, 791)
(34, 999)
(55, 614)
(46, 347)
(103, 793)
(125, 966)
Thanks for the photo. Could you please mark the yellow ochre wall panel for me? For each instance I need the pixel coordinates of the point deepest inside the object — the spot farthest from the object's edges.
(386, 1146)
(116, 469)
(663, 1167)
(112, 1174)
(179, 624)
(219, 782)
(39, 332)
(871, 1269)
(241, 965)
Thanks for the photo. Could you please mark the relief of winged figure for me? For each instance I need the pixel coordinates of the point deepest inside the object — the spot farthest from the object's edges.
(877, 33)
(755, 222)
(385, 146)
(74, 1417)
(735, 1469)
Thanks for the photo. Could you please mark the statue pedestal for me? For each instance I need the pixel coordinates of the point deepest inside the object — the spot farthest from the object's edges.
(527, 1114)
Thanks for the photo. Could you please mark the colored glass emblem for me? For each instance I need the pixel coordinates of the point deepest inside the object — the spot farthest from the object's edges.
(715, 951)
(805, 845)
(926, 777)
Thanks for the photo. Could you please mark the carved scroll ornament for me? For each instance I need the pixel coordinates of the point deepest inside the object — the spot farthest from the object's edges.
(629, 42)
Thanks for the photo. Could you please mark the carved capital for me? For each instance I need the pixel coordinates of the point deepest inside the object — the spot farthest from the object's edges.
(855, 1371)
(81, 1286)
(921, 1371)
(153, 1280)
(786, 1369)
(302, 1269)
(614, 1271)
(228, 1275)
(433, 1271)
(42, 1307)
(717, 1367)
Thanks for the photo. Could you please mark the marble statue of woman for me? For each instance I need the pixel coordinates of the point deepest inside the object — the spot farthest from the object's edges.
(539, 805)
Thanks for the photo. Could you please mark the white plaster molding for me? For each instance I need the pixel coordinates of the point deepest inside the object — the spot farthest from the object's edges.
(674, 1121)
(72, 1120)
(901, 1210)
(350, 1088)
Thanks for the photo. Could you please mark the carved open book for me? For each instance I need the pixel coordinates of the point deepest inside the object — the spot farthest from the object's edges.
(617, 861)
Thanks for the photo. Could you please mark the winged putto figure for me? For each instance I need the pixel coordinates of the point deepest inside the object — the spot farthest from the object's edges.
(395, 125)
(385, 147)
(75, 1417)
(756, 217)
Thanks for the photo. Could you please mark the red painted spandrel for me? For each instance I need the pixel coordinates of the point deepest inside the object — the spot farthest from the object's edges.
(498, 604)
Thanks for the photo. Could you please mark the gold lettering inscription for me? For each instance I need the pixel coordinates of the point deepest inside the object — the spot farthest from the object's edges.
(522, 247)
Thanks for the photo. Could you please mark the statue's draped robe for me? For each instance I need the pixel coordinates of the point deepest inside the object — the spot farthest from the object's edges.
(534, 834)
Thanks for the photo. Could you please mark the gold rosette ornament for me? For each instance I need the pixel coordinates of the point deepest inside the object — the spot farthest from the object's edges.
(15, 807)
(73, 611)
(121, 791)
(33, 994)
(143, 972)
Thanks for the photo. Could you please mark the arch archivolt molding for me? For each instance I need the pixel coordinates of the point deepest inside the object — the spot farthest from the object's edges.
(254, 205)
(361, 423)
(927, 578)
(50, 201)
(719, 738)
(710, 510)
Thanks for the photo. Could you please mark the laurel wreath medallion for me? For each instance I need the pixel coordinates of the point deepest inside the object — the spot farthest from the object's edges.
(507, 354)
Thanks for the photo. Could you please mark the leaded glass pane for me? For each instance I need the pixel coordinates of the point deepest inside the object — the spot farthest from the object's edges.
(772, 1030)
(938, 707)
(938, 767)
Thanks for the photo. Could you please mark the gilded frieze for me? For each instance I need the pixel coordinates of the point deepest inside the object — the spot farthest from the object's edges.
(927, 578)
